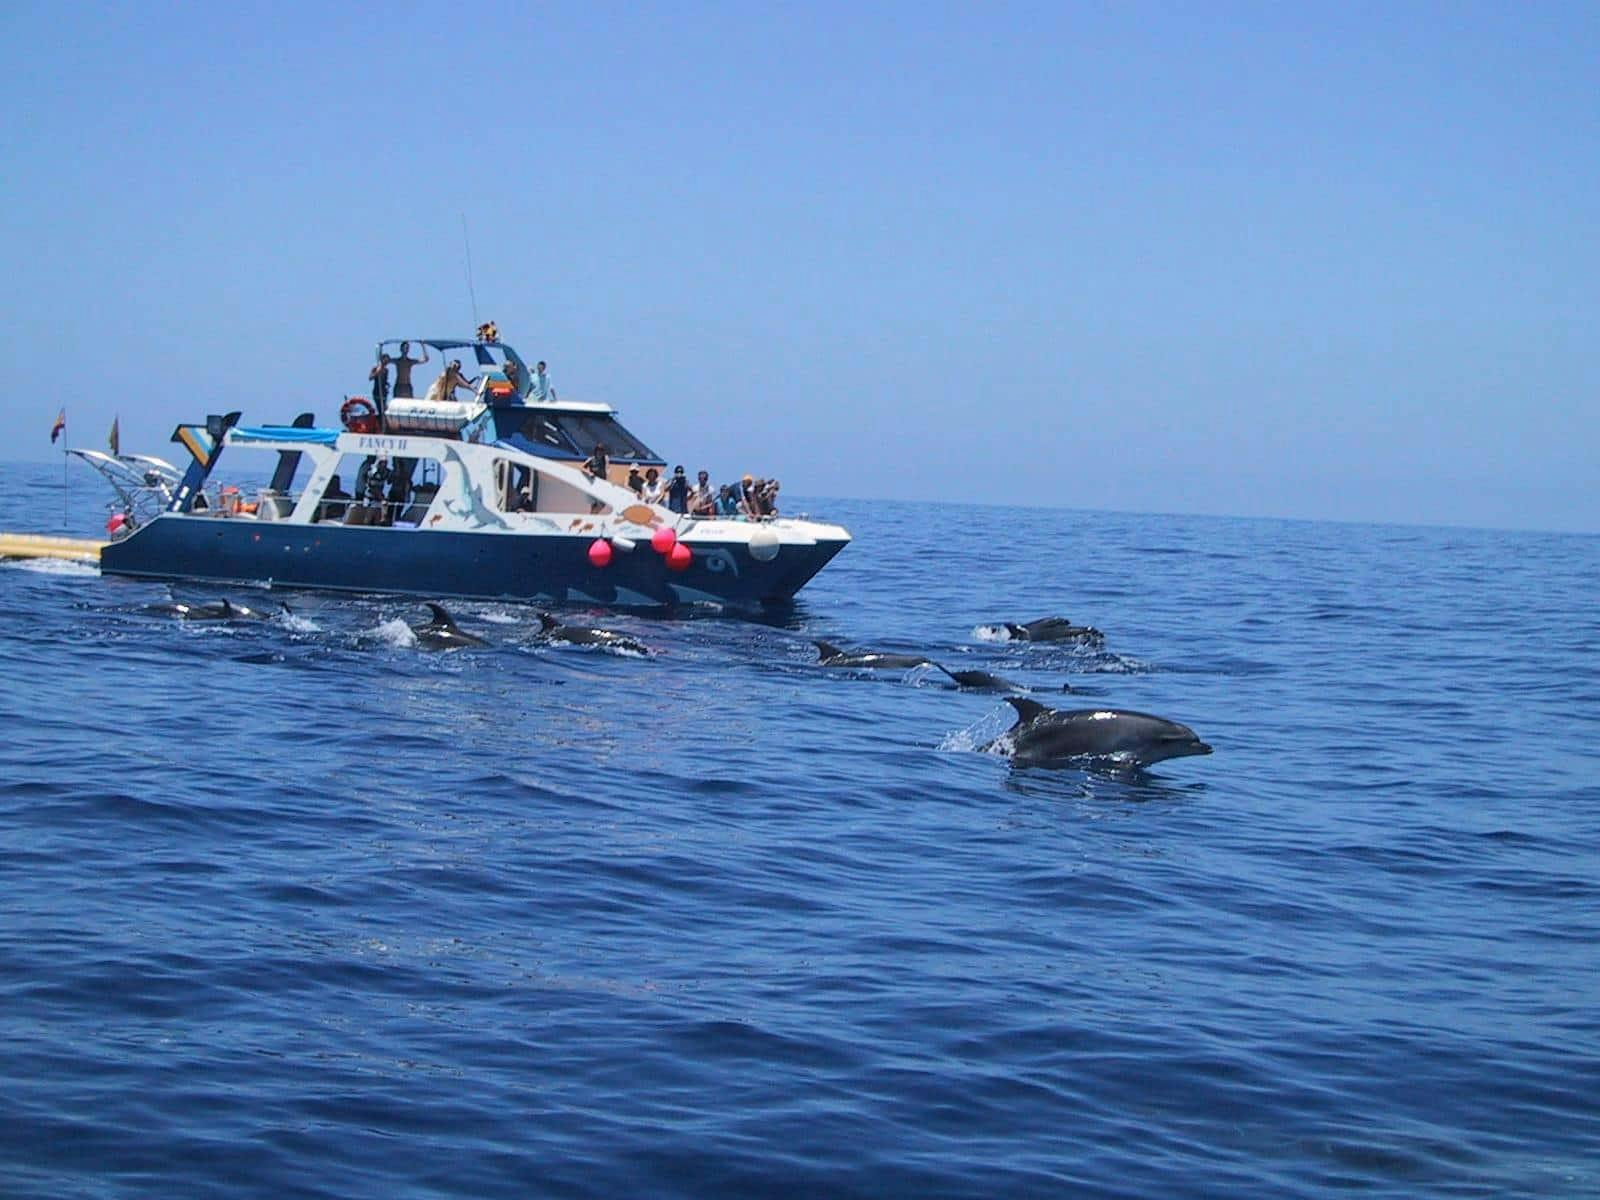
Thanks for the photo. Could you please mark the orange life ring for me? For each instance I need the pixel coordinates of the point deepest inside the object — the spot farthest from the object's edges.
(359, 415)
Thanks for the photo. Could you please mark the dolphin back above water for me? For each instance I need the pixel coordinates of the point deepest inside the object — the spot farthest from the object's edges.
(216, 610)
(1045, 736)
(1055, 629)
(829, 655)
(581, 635)
(442, 633)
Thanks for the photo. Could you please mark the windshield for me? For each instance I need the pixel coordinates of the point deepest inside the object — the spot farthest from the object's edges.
(583, 430)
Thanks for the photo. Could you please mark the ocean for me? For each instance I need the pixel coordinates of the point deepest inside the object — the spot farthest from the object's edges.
(299, 908)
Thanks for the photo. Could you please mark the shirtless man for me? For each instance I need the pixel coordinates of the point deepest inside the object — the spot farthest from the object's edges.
(402, 371)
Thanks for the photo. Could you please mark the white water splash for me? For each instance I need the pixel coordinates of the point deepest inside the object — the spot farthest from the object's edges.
(54, 566)
(296, 623)
(394, 632)
(991, 633)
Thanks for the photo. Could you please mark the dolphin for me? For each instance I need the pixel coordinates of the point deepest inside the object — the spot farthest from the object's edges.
(580, 635)
(1047, 736)
(442, 633)
(1055, 629)
(217, 610)
(982, 681)
(831, 656)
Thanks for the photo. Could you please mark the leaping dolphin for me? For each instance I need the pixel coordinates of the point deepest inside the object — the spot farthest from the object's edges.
(580, 635)
(442, 633)
(1047, 736)
(1055, 629)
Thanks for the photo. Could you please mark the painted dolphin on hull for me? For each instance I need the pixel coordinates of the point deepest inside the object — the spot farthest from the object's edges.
(1055, 629)
(1047, 736)
(442, 633)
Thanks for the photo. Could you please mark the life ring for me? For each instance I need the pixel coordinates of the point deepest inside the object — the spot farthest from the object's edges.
(359, 415)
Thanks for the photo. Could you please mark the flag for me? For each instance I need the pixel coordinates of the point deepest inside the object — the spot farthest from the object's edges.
(115, 438)
(59, 427)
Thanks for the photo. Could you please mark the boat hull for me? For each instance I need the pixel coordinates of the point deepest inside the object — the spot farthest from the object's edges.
(443, 563)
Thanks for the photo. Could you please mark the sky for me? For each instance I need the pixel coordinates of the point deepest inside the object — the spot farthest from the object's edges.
(1331, 261)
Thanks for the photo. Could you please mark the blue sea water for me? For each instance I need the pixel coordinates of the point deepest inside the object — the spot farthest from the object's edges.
(297, 908)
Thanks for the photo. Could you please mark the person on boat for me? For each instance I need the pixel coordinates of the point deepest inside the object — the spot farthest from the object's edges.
(380, 381)
(443, 389)
(402, 370)
(753, 506)
(769, 498)
(728, 501)
(597, 465)
(636, 482)
(652, 486)
(539, 386)
(702, 500)
(378, 476)
(334, 501)
(513, 376)
(747, 496)
(678, 491)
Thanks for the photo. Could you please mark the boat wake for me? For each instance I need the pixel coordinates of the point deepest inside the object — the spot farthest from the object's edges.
(53, 566)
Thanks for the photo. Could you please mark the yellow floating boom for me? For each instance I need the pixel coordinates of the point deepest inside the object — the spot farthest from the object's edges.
(34, 545)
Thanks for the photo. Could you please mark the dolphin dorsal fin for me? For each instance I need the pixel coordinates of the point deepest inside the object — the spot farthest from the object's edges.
(227, 609)
(1027, 710)
(826, 649)
(546, 622)
(440, 615)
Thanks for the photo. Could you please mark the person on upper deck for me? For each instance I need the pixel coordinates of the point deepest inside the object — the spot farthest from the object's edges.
(678, 491)
(636, 482)
(380, 381)
(402, 370)
(539, 386)
(728, 501)
(597, 465)
(702, 499)
(443, 389)
(654, 492)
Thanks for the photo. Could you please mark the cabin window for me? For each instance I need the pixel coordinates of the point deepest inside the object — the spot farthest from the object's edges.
(583, 430)
(516, 486)
(519, 487)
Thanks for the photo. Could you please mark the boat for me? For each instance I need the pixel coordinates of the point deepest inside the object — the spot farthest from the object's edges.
(484, 498)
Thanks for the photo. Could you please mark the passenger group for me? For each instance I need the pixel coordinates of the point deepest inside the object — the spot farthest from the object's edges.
(750, 498)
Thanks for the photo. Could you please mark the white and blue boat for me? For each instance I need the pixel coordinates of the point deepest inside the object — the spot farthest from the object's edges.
(482, 498)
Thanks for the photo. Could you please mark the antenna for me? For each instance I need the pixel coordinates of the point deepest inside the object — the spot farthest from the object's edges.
(470, 291)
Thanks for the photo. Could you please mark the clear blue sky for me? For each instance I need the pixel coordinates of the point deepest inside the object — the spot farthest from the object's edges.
(1314, 261)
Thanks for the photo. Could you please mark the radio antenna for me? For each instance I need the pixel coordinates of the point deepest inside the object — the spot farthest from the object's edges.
(471, 293)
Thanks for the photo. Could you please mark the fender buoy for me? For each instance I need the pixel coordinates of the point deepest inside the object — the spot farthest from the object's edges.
(359, 415)
(680, 557)
(663, 539)
(600, 553)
